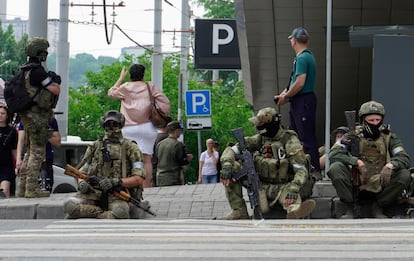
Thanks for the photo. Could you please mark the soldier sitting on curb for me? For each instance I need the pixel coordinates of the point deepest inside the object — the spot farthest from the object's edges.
(377, 173)
(114, 163)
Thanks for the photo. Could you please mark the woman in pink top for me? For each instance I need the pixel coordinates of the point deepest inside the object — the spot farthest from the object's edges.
(136, 107)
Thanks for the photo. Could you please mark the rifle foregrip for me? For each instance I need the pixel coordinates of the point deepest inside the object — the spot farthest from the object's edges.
(74, 172)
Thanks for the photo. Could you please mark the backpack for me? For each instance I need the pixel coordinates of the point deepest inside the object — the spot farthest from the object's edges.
(16, 95)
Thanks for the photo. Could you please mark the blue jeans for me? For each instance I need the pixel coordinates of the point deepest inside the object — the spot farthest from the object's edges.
(209, 178)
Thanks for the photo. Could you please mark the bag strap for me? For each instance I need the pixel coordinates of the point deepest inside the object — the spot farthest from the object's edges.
(150, 94)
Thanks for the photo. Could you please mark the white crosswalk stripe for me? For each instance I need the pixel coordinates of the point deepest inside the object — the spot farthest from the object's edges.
(191, 239)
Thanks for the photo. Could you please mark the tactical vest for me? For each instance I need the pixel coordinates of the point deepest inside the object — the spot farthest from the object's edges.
(108, 160)
(44, 100)
(272, 162)
(374, 153)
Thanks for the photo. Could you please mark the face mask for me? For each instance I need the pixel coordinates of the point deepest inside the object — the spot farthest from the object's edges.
(371, 131)
(268, 129)
(43, 56)
(113, 133)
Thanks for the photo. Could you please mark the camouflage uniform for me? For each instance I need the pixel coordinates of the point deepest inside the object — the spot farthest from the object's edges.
(112, 157)
(282, 166)
(36, 118)
(375, 152)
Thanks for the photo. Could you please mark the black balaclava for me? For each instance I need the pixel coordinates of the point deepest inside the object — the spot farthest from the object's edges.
(269, 129)
(371, 131)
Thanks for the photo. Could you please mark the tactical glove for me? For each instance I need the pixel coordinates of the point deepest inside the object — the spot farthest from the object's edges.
(292, 194)
(83, 187)
(107, 184)
(226, 171)
(385, 176)
(55, 77)
(94, 181)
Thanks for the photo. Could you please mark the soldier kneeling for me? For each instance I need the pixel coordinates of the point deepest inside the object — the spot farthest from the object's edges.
(281, 164)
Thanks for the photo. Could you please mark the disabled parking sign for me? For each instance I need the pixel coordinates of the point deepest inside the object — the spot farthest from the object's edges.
(198, 103)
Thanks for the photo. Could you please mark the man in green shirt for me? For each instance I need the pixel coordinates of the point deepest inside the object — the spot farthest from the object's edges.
(172, 157)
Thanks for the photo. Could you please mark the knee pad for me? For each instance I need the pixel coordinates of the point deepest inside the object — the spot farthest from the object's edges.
(121, 211)
(72, 207)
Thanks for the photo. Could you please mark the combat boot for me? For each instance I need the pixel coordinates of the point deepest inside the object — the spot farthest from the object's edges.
(21, 188)
(38, 193)
(304, 210)
(349, 214)
(240, 213)
(2, 195)
(376, 211)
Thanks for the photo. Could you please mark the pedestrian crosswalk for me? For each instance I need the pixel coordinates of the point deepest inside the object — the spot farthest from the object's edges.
(198, 239)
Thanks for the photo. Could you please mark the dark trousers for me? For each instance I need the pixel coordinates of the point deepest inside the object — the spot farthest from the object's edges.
(302, 116)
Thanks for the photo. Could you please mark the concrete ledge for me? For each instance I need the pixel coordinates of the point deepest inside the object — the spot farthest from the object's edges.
(50, 211)
(324, 208)
(188, 201)
(323, 189)
(20, 211)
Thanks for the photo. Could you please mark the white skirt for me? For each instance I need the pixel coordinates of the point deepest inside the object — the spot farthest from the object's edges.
(143, 134)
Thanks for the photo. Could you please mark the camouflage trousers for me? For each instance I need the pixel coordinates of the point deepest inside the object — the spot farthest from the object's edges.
(37, 133)
(275, 193)
(341, 177)
(88, 206)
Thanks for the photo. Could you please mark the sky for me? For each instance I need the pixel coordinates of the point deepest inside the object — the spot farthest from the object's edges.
(136, 19)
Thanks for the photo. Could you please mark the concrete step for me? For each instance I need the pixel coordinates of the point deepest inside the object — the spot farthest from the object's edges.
(188, 201)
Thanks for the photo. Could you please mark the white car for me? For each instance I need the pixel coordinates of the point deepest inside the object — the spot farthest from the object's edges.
(63, 183)
(70, 152)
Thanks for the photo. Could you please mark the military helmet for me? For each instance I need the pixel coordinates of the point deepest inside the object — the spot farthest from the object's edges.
(264, 116)
(371, 107)
(35, 45)
(341, 129)
(113, 115)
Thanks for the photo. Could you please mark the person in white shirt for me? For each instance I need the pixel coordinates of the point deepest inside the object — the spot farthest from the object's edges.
(207, 171)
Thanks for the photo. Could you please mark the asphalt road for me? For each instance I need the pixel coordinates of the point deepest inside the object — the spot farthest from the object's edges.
(199, 239)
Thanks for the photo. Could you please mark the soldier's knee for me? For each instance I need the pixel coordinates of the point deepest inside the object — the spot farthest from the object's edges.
(336, 169)
(404, 177)
(121, 211)
(72, 207)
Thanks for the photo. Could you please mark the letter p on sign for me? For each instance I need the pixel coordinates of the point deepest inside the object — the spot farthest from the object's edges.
(216, 44)
(217, 41)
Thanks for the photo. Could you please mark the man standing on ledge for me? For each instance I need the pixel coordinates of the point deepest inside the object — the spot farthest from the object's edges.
(300, 94)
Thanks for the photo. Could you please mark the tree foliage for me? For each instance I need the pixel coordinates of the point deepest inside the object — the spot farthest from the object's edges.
(89, 102)
(12, 53)
(218, 8)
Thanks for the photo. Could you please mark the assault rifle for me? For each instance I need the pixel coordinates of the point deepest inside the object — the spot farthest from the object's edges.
(247, 169)
(74, 172)
(353, 147)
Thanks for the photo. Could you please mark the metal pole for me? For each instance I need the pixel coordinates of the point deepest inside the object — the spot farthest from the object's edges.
(62, 68)
(38, 18)
(185, 35)
(328, 81)
(156, 76)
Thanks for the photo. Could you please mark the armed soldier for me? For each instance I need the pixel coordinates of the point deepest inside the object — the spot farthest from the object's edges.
(45, 88)
(382, 164)
(113, 164)
(281, 164)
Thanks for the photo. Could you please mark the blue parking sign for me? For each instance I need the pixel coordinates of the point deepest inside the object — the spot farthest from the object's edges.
(198, 103)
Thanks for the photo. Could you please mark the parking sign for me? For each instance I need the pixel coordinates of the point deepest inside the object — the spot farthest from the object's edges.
(198, 103)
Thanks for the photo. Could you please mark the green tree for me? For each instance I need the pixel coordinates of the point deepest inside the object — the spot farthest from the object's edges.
(12, 53)
(89, 102)
(217, 8)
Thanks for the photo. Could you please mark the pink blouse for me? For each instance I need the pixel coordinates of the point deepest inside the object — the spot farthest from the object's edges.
(136, 103)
